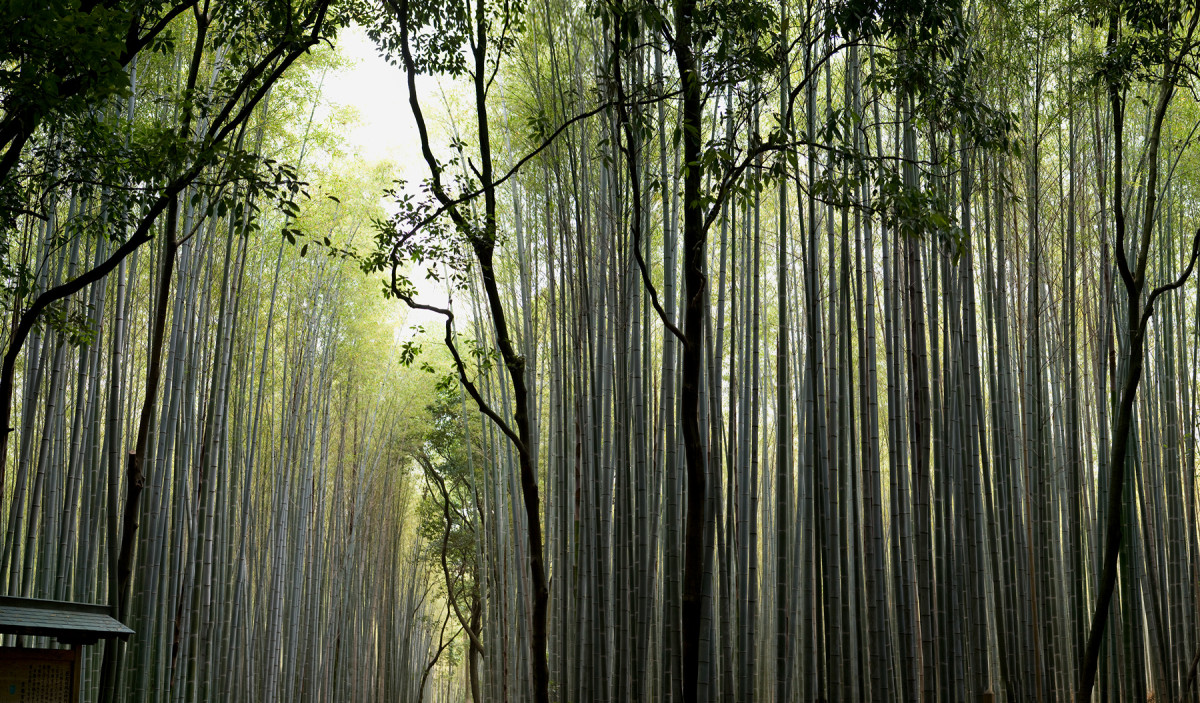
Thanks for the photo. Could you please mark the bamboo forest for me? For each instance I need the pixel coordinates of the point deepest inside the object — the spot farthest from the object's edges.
(600, 350)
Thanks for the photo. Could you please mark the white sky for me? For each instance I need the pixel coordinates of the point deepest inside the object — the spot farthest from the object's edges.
(378, 93)
(385, 131)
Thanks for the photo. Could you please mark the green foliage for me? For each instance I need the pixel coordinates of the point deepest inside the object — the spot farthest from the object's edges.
(73, 320)
(418, 233)
(915, 212)
(1151, 34)
(449, 491)
(81, 129)
(934, 60)
(739, 38)
(65, 55)
(443, 32)
(932, 23)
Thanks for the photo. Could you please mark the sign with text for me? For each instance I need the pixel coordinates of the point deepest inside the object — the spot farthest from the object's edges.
(39, 675)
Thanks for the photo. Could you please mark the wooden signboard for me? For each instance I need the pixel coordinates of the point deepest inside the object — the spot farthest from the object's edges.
(39, 675)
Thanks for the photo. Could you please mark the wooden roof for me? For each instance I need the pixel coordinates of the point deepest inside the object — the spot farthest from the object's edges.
(70, 623)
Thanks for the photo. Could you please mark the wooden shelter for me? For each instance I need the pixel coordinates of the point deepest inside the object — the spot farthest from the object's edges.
(37, 675)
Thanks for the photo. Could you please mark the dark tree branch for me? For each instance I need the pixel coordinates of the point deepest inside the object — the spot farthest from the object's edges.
(442, 644)
(451, 593)
(448, 203)
(1183, 277)
(459, 364)
(635, 225)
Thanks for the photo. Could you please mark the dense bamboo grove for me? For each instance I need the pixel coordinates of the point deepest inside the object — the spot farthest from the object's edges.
(791, 352)
(865, 280)
(204, 432)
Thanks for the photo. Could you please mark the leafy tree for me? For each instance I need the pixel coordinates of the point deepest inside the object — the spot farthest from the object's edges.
(450, 518)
